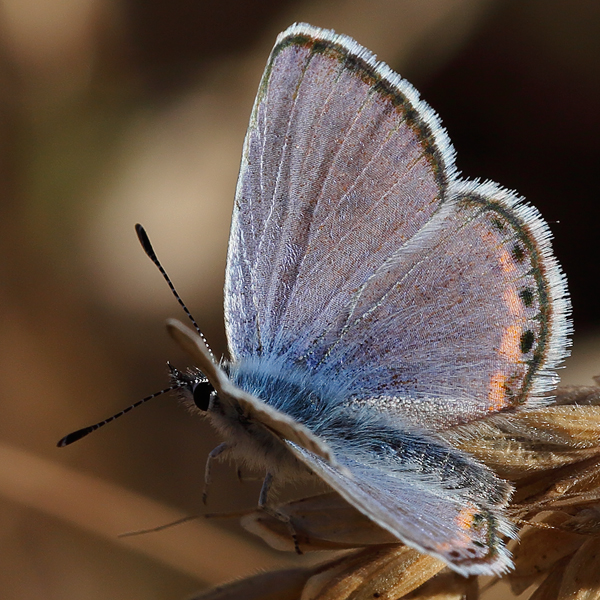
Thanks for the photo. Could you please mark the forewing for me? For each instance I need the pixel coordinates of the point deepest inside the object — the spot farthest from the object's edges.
(425, 505)
(342, 164)
(467, 319)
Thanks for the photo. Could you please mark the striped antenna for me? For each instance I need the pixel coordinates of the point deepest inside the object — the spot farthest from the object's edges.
(77, 435)
(147, 246)
(149, 250)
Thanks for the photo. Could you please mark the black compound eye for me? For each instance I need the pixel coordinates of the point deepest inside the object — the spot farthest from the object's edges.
(202, 391)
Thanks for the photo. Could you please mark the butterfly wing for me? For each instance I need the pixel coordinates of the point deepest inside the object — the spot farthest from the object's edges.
(466, 319)
(458, 519)
(357, 259)
(342, 164)
(356, 253)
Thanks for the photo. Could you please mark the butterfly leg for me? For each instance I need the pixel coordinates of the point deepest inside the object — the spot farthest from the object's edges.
(263, 504)
(264, 491)
(214, 453)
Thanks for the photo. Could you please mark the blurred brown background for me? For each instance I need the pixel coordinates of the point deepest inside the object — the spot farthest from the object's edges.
(114, 112)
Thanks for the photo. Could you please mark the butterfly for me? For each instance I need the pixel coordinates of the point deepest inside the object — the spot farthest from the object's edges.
(373, 300)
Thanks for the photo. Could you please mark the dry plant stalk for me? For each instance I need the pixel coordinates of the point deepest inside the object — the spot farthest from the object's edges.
(552, 456)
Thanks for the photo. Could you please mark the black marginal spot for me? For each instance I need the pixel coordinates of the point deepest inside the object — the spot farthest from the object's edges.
(429, 149)
(518, 253)
(498, 224)
(478, 544)
(320, 46)
(526, 296)
(295, 40)
(376, 595)
(411, 115)
(527, 339)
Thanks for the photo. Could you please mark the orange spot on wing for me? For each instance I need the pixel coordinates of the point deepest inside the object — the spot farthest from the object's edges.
(511, 343)
(506, 261)
(465, 520)
(496, 395)
(465, 517)
(512, 301)
(510, 352)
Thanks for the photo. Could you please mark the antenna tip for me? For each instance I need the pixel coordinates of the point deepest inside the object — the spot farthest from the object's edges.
(142, 235)
(73, 437)
(145, 241)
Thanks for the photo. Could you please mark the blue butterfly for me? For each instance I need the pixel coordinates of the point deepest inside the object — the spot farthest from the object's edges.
(374, 300)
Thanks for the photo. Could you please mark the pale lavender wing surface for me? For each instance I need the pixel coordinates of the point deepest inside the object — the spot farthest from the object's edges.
(342, 164)
(453, 521)
(469, 318)
(347, 257)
